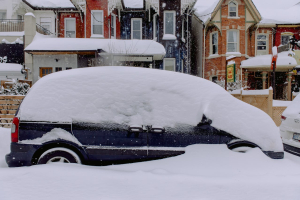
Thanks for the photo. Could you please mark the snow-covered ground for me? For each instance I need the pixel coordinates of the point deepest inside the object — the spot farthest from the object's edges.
(203, 172)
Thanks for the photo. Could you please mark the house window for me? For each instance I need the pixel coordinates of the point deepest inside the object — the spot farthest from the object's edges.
(67, 68)
(2, 15)
(19, 17)
(169, 22)
(261, 44)
(169, 64)
(285, 39)
(232, 41)
(136, 28)
(113, 26)
(232, 9)
(97, 22)
(214, 79)
(70, 28)
(45, 71)
(58, 69)
(46, 22)
(214, 43)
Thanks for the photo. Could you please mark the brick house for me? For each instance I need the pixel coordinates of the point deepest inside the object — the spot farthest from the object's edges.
(237, 28)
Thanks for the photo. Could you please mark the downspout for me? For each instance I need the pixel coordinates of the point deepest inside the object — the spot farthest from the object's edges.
(85, 21)
(203, 64)
(56, 24)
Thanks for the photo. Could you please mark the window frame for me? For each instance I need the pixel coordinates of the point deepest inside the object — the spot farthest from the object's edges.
(58, 69)
(174, 21)
(154, 27)
(236, 11)
(172, 59)
(113, 25)
(284, 36)
(211, 43)
(141, 28)
(46, 22)
(41, 71)
(256, 44)
(66, 19)
(237, 40)
(92, 23)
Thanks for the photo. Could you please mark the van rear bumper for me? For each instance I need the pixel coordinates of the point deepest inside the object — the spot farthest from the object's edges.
(20, 155)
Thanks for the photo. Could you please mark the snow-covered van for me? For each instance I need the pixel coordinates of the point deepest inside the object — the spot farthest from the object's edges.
(98, 114)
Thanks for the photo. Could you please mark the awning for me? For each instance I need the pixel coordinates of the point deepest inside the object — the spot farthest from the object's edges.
(138, 48)
(263, 63)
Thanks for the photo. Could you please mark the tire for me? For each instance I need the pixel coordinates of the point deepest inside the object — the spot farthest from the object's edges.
(60, 154)
(241, 147)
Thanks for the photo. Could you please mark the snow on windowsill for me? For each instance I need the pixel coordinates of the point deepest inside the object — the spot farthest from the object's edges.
(169, 37)
(233, 53)
(97, 36)
(233, 17)
(213, 56)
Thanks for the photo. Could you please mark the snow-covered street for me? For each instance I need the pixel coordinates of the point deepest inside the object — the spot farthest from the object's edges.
(203, 172)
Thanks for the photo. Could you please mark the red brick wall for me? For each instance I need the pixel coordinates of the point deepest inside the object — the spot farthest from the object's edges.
(79, 24)
(217, 65)
(280, 30)
(101, 5)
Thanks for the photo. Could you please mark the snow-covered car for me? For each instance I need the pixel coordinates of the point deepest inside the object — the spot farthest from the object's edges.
(290, 127)
(97, 114)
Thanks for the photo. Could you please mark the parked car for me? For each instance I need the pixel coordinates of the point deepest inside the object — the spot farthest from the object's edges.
(290, 127)
(98, 114)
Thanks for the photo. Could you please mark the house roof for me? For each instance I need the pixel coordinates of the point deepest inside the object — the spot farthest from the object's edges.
(268, 11)
(111, 46)
(49, 4)
(206, 10)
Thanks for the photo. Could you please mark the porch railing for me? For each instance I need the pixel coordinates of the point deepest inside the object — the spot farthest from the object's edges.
(11, 25)
(42, 30)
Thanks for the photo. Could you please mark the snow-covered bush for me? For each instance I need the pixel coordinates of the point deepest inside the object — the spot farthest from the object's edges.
(16, 89)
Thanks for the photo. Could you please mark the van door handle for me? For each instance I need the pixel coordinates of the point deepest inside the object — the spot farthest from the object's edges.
(157, 129)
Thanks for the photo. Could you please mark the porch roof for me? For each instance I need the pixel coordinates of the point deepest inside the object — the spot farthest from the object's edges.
(284, 62)
(109, 46)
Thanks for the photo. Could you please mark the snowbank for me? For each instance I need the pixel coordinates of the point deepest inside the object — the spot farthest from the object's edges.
(51, 3)
(4, 145)
(293, 110)
(130, 95)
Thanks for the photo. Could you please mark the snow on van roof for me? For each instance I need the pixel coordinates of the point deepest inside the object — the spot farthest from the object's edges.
(51, 3)
(132, 95)
(9, 67)
(126, 47)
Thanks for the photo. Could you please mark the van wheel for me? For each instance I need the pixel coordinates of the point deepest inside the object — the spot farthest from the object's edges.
(241, 147)
(60, 154)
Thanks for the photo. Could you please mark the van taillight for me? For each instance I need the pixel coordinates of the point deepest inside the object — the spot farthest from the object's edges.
(283, 118)
(15, 130)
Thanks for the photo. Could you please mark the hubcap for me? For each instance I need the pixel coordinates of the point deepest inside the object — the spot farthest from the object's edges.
(58, 159)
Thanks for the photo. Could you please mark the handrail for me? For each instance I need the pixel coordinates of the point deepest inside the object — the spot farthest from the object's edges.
(42, 30)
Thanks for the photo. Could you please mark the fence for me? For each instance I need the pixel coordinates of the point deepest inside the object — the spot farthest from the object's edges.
(8, 108)
(262, 99)
(11, 25)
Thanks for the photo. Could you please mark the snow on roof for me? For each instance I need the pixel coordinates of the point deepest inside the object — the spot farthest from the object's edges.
(8, 67)
(51, 3)
(264, 61)
(272, 11)
(134, 3)
(282, 15)
(16, 34)
(204, 8)
(123, 47)
(133, 95)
